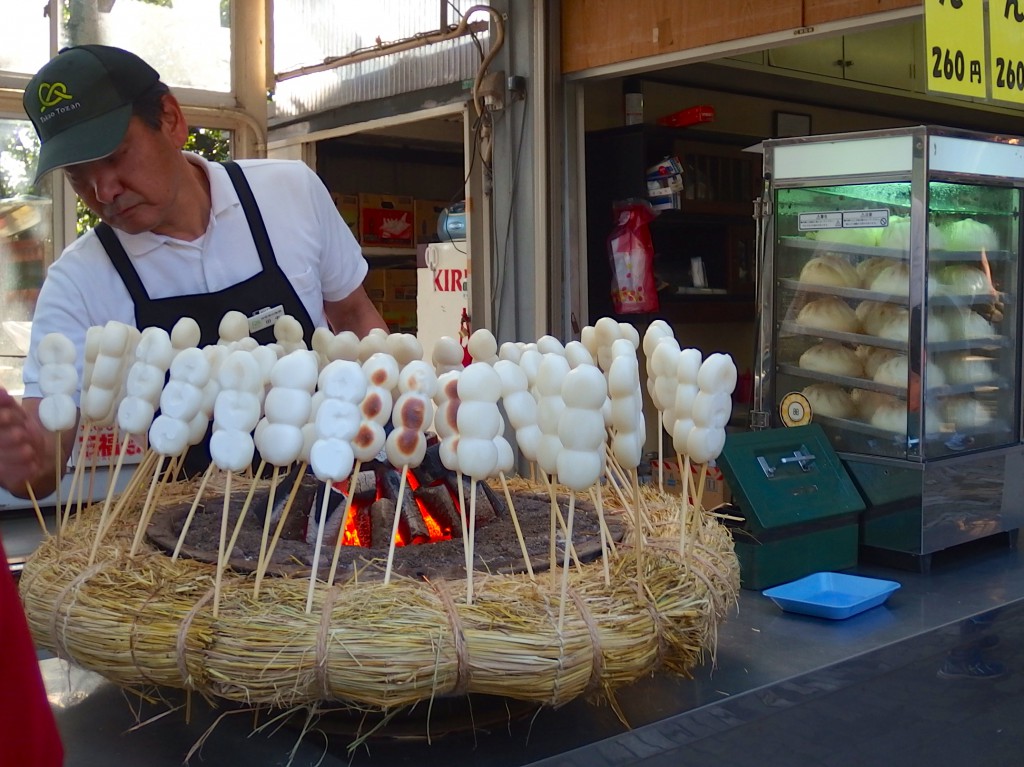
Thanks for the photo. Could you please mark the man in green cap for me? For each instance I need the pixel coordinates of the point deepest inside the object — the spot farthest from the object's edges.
(180, 236)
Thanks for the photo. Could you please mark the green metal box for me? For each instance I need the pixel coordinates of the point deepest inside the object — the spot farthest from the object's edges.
(800, 507)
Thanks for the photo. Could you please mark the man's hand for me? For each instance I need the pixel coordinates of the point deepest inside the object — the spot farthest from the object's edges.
(21, 445)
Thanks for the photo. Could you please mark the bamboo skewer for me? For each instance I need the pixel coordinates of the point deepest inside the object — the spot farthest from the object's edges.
(78, 478)
(684, 510)
(515, 521)
(596, 497)
(261, 569)
(344, 521)
(464, 522)
(108, 499)
(321, 522)
(56, 487)
(565, 564)
(661, 451)
(394, 527)
(192, 510)
(37, 510)
(472, 540)
(147, 510)
(245, 506)
(221, 554)
(552, 560)
(266, 517)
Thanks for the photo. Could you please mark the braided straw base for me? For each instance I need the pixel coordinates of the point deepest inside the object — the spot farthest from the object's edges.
(148, 620)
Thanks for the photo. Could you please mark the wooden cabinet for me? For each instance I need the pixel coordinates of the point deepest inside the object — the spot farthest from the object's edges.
(713, 222)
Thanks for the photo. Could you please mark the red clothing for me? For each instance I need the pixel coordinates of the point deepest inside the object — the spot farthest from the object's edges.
(28, 732)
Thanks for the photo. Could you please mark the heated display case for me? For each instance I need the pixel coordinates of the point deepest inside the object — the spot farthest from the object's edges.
(889, 281)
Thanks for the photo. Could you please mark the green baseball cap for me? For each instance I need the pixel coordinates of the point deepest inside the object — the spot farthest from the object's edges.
(80, 103)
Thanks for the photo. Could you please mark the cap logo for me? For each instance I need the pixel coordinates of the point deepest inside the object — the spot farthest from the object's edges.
(51, 94)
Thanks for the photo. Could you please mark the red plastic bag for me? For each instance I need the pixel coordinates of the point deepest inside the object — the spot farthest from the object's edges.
(631, 254)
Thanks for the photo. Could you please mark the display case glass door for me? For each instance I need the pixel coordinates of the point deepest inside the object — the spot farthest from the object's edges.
(893, 355)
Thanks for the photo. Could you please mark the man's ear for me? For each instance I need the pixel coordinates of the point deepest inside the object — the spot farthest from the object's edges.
(173, 121)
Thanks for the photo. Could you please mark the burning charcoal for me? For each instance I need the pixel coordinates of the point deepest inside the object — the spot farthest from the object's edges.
(295, 526)
(485, 511)
(496, 501)
(431, 470)
(441, 506)
(382, 519)
(332, 527)
(364, 489)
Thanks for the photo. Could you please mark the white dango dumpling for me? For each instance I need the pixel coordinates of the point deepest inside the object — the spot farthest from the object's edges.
(711, 410)
(288, 333)
(579, 469)
(447, 354)
(528, 438)
(482, 346)
(381, 369)
(657, 330)
(577, 354)
(550, 374)
(477, 457)
(717, 374)
(106, 372)
(234, 326)
(343, 379)
(628, 449)
(376, 405)
(624, 377)
(169, 436)
(406, 447)
(192, 366)
(521, 409)
(266, 357)
(155, 348)
(686, 395)
(58, 378)
(297, 370)
(681, 434)
(134, 415)
(607, 331)
(197, 428)
(337, 419)
(320, 343)
(704, 444)
(56, 349)
(114, 339)
(530, 363)
(308, 440)
(240, 371)
(479, 382)
(285, 405)
(688, 365)
(506, 458)
(185, 334)
(236, 410)
(510, 351)
(144, 381)
(580, 429)
(372, 343)
(665, 358)
(512, 377)
(343, 346)
(98, 403)
(584, 388)
(588, 337)
(448, 452)
(478, 419)
(369, 440)
(404, 347)
(331, 459)
(413, 410)
(279, 443)
(548, 344)
(624, 413)
(628, 332)
(57, 412)
(664, 392)
(418, 376)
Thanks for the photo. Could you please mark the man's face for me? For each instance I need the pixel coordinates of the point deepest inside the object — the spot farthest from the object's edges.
(136, 188)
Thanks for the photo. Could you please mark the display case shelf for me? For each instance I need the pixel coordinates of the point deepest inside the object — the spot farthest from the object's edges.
(851, 382)
(896, 254)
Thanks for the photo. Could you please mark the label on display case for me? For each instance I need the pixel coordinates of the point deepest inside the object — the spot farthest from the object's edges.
(843, 219)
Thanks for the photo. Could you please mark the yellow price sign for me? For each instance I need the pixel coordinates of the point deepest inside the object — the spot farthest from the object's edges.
(795, 409)
(1006, 50)
(954, 32)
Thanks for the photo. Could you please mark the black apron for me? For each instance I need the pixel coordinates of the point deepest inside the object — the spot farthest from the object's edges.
(266, 290)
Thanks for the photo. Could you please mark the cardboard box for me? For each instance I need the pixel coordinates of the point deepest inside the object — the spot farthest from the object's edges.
(399, 315)
(425, 213)
(386, 220)
(375, 284)
(716, 491)
(348, 207)
(400, 285)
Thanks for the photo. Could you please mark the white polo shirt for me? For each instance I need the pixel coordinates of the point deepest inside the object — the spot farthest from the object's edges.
(314, 248)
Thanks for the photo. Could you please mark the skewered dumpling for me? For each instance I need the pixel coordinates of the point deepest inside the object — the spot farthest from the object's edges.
(830, 270)
(829, 400)
(833, 358)
(829, 314)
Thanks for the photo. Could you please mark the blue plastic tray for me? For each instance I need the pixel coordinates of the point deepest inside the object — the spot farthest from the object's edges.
(831, 595)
